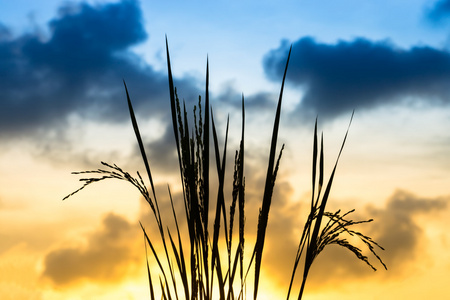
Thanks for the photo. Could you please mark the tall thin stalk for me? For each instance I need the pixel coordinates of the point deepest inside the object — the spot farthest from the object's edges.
(268, 189)
(197, 267)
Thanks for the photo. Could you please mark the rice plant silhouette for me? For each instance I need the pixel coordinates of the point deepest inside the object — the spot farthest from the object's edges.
(199, 261)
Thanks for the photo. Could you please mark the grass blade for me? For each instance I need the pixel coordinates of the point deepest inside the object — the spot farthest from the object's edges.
(173, 108)
(241, 201)
(215, 260)
(268, 190)
(155, 255)
(152, 292)
(139, 139)
(180, 261)
(205, 177)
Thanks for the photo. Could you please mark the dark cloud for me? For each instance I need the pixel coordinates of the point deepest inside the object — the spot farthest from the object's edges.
(4, 32)
(87, 37)
(439, 12)
(261, 101)
(109, 255)
(163, 153)
(360, 74)
(78, 69)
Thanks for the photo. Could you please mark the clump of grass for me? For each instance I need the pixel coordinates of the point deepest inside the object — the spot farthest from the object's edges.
(198, 263)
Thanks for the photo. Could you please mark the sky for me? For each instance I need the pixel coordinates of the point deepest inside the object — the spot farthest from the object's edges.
(63, 108)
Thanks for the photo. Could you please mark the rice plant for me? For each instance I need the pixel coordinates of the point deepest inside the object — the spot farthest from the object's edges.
(196, 270)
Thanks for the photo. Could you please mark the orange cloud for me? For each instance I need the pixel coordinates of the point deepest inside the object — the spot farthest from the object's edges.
(109, 255)
(396, 227)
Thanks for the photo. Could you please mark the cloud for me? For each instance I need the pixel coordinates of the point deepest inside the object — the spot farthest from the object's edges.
(109, 255)
(439, 12)
(4, 32)
(360, 74)
(261, 101)
(396, 227)
(281, 243)
(78, 70)
(163, 153)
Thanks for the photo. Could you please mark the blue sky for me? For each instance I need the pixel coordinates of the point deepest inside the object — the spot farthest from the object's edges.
(247, 45)
(62, 108)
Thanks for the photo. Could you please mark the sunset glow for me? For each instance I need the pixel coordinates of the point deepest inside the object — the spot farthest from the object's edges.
(63, 108)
